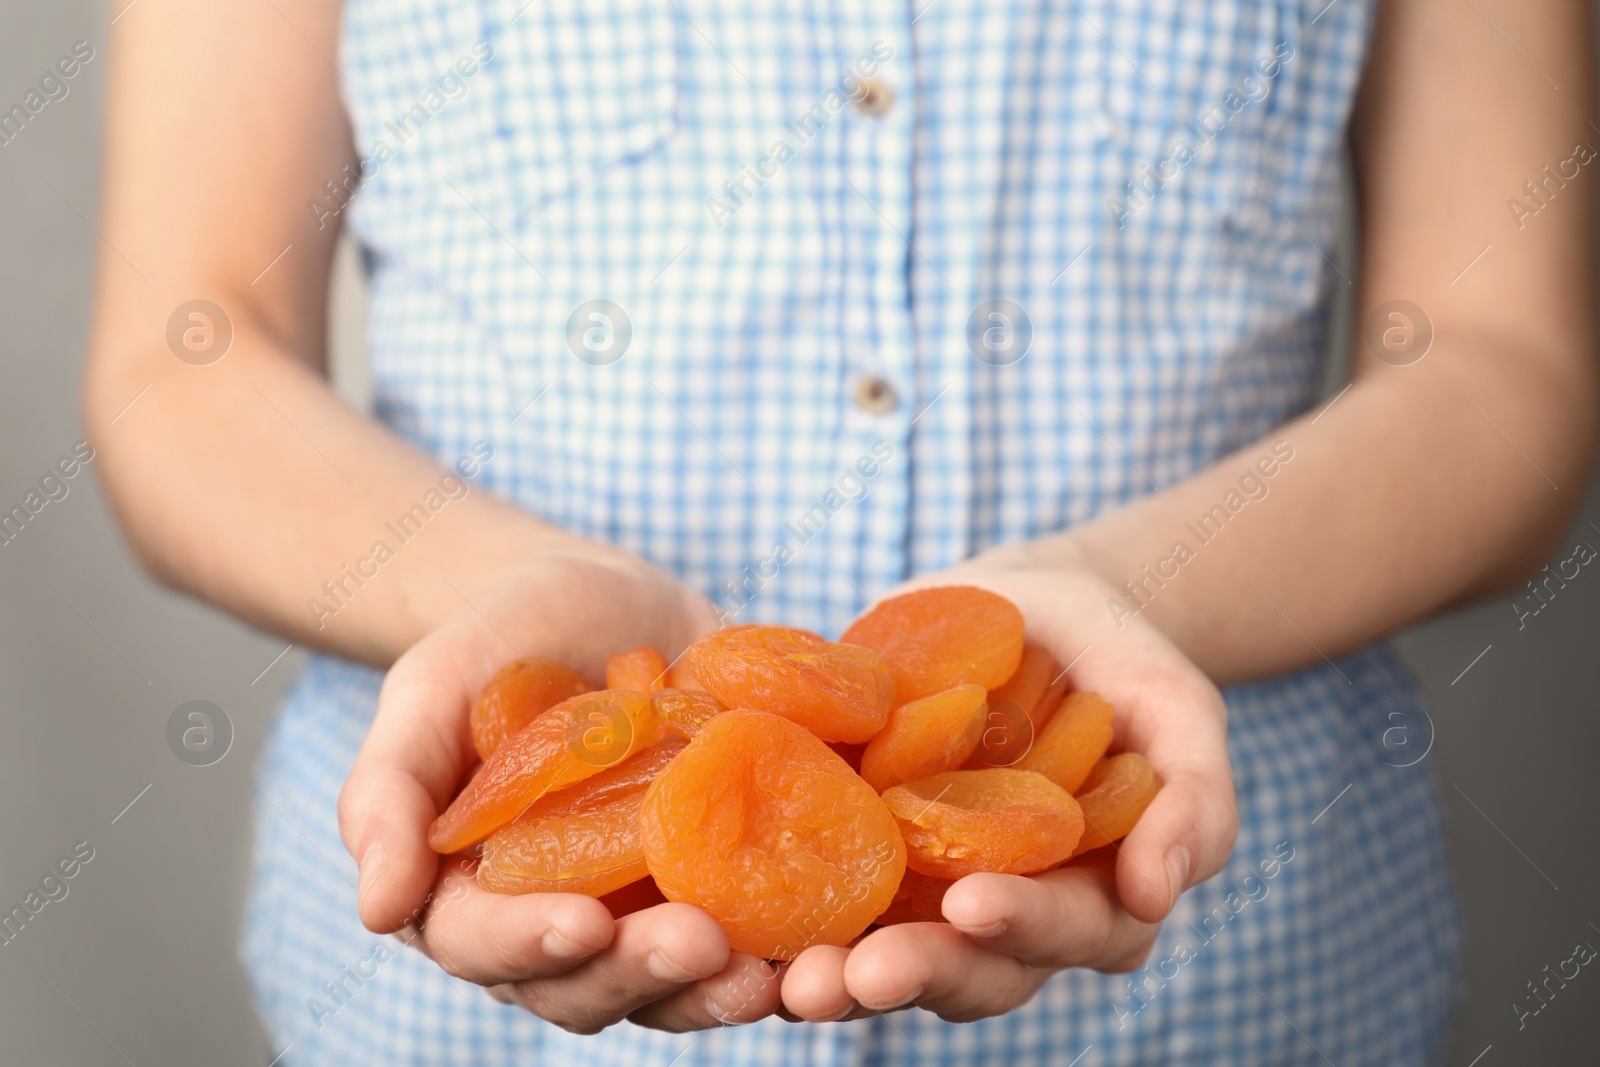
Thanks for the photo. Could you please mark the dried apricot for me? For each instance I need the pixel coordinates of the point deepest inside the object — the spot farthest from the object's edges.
(1019, 709)
(574, 740)
(684, 711)
(679, 676)
(1113, 797)
(582, 839)
(764, 827)
(920, 899)
(1068, 747)
(838, 692)
(997, 819)
(643, 669)
(925, 737)
(937, 639)
(520, 693)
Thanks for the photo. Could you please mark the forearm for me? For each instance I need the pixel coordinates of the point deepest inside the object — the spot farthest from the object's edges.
(249, 483)
(1398, 500)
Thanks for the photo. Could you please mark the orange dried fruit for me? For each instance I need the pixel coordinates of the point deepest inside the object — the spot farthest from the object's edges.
(765, 828)
(582, 839)
(998, 819)
(1113, 797)
(1007, 734)
(1070, 744)
(1037, 685)
(838, 692)
(684, 711)
(1019, 709)
(920, 899)
(643, 669)
(574, 740)
(518, 694)
(936, 639)
(679, 676)
(926, 737)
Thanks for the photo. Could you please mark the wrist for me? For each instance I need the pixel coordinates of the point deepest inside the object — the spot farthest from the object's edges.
(1080, 572)
(462, 564)
(632, 586)
(1067, 555)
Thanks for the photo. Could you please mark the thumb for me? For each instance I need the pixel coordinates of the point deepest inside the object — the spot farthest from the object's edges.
(384, 818)
(407, 769)
(1183, 838)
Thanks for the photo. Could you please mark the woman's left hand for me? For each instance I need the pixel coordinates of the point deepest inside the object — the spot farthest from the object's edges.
(1007, 934)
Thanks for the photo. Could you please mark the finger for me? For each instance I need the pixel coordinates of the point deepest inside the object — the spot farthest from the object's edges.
(1183, 838)
(1187, 833)
(407, 770)
(747, 989)
(814, 988)
(655, 953)
(1132, 961)
(491, 938)
(1067, 917)
(935, 967)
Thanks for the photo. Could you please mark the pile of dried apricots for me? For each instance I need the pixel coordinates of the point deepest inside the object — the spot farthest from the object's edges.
(798, 790)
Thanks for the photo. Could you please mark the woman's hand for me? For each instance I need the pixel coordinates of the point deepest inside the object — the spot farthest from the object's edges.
(560, 955)
(1007, 934)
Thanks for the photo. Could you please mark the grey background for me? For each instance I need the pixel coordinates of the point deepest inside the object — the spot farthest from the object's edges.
(138, 964)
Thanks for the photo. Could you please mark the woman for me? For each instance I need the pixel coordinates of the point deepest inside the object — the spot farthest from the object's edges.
(1029, 296)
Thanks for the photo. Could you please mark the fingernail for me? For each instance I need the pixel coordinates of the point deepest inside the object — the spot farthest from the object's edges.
(666, 969)
(1177, 872)
(848, 1008)
(994, 929)
(915, 993)
(723, 1016)
(559, 946)
(372, 861)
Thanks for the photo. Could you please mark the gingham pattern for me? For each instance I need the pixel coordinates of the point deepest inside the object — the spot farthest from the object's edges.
(576, 165)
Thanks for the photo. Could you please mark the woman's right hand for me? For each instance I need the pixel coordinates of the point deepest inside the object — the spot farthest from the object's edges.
(560, 955)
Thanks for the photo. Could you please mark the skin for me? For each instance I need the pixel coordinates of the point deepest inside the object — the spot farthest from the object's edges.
(1421, 488)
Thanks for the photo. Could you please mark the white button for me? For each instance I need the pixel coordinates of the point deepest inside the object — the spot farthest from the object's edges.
(877, 97)
(876, 396)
